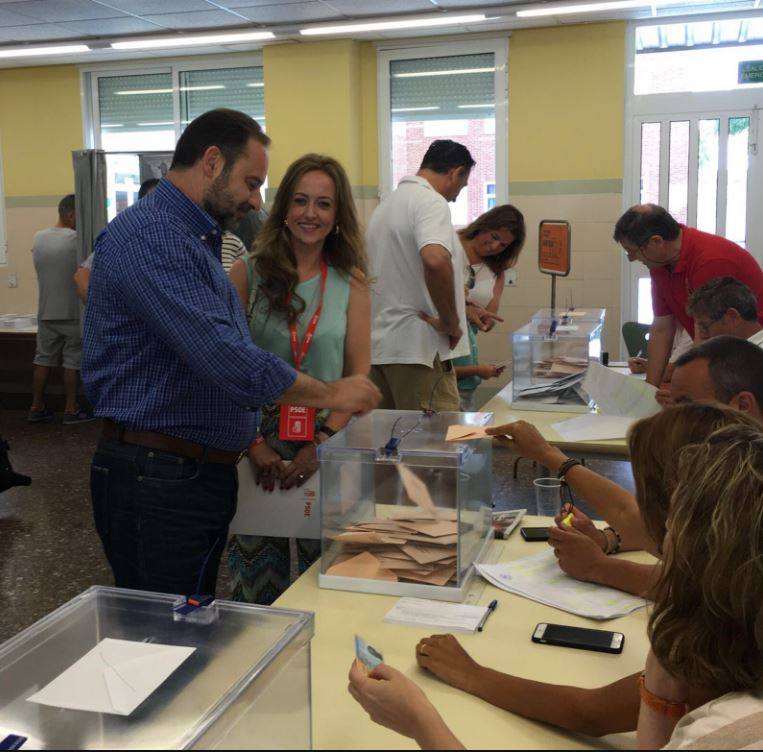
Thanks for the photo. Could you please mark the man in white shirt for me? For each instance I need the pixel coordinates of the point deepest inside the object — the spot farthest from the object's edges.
(725, 306)
(418, 300)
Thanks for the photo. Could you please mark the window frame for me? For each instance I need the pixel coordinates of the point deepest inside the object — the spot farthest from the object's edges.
(90, 75)
(387, 52)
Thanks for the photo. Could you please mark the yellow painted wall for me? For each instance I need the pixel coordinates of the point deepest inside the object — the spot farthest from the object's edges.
(40, 125)
(369, 121)
(312, 101)
(566, 102)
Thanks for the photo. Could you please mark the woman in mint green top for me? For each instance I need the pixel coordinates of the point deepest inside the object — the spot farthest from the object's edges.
(312, 225)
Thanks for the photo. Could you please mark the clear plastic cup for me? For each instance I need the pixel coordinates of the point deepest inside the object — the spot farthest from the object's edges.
(548, 496)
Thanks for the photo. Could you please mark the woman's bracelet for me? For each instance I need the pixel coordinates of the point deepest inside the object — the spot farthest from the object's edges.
(614, 549)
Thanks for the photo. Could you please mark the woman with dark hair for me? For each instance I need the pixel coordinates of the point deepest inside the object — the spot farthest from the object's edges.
(304, 289)
(492, 244)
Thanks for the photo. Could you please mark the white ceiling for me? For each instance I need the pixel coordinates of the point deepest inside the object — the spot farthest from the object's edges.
(33, 22)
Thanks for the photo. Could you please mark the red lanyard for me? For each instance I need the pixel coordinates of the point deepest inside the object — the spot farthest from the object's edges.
(298, 352)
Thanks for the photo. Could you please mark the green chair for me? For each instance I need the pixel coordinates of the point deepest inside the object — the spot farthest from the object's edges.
(635, 336)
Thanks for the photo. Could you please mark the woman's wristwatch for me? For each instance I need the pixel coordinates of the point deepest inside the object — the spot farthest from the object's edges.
(323, 430)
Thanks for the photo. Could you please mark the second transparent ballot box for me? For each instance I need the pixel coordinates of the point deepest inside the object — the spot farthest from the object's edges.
(549, 363)
(118, 669)
(403, 511)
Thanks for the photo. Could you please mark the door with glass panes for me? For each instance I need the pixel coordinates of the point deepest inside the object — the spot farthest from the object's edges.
(703, 167)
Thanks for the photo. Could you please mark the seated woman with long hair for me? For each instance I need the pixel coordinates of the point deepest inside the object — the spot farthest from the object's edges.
(706, 629)
(304, 289)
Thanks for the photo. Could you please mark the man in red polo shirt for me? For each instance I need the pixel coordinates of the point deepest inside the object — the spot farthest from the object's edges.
(680, 259)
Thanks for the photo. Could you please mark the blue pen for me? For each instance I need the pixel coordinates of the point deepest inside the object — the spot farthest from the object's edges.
(492, 607)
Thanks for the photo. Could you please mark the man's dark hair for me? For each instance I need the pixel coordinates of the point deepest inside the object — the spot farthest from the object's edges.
(639, 223)
(443, 155)
(228, 130)
(66, 205)
(715, 297)
(147, 186)
(735, 365)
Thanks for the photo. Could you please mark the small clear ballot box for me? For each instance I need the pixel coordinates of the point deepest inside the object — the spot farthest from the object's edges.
(549, 361)
(241, 681)
(403, 511)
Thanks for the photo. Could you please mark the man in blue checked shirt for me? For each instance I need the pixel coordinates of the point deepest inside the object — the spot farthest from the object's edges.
(169, 363)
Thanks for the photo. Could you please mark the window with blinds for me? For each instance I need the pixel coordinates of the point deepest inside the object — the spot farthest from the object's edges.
(449, 97)
(236, 88)
(137, 114)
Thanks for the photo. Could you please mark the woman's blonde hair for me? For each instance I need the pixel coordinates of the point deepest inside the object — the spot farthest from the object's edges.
(654, 444)
(274, 259)
(503, 217)
(707, 623)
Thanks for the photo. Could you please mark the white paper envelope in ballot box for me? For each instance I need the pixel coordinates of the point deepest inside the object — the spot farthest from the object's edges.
(294, 513)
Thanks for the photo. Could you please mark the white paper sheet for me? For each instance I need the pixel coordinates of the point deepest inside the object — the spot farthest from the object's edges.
(418, 612)
(618, 394)
(539, 578)
(594, 426)
(293, 513)
(114, 677)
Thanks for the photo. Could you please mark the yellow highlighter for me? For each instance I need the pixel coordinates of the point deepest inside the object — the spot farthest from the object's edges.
(567, 521)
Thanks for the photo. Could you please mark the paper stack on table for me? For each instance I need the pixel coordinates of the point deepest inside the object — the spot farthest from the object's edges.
(539, 578)
(621, 399)
(453, 617)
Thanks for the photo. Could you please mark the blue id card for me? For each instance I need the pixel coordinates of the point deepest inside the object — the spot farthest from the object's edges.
(366, 654)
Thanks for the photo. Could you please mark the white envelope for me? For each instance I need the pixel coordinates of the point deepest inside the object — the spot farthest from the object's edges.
(294, 513)
(114, 677)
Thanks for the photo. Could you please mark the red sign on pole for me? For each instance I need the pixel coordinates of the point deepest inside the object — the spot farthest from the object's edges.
(554, 247)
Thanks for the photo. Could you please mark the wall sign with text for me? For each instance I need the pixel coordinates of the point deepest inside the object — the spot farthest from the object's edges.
(554, 247)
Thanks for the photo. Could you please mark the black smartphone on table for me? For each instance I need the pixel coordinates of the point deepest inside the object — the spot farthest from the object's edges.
(579, 637)
(534, 534)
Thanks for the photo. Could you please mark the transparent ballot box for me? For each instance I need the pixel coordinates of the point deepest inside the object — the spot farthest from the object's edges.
(549, 366)
(404, 512)
(118, 669)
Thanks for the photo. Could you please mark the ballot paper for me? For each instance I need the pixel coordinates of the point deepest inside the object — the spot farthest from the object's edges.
(465, 433)
(619, 394)
(115, 677)
(540, 579)
(453, 617)
(416, 489)
(594, 426)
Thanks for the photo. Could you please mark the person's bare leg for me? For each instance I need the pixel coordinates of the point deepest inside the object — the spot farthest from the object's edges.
(71, 383)
(40, 375)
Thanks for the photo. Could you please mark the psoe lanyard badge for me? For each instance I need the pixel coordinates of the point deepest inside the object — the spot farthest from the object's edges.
(297, 423)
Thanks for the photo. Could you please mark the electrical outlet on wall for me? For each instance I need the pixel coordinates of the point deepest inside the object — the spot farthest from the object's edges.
(510, 277)
(13, 280)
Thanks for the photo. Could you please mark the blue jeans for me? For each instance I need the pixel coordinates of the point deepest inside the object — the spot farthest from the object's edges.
(163, 519)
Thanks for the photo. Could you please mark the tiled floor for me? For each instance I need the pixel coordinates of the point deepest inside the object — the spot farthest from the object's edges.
(49, 550)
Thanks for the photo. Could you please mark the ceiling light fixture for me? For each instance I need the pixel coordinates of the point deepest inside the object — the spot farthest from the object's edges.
(459, 71)
(191, 40)
(413, 109)
(563, 10)
(473, 106)
(402, 24)
(131, 92)
(159, 122)
(63, 49)
(256, 86)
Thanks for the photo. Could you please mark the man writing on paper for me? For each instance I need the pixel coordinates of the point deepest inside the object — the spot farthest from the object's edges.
(680, 259)
(169, 363)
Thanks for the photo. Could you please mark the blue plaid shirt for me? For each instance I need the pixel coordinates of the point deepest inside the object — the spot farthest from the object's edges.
(166, 346)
